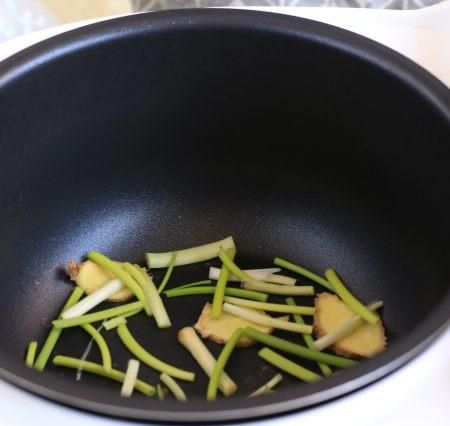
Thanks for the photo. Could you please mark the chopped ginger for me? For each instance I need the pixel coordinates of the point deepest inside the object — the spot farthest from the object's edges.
(221, 329)
(365, 341)
(90, 277)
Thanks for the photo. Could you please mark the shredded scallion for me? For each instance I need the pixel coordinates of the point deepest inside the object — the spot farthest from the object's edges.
(160, 392)
(219, 366)
(268, 386)
(189, 339)
(194, 284)
(190, 255)
(325, 368)
(258, 274)
(101, 343)
(114, 322)
(272, 307)
(55, 332)
(233, 268)
(351, 301)
(265, 320)
(98, 316)
(216, 309)
(166, 278)
(237, 292)
(288, 366)
(151, 295)
(129, 382)
(31, 354)
(291, 290)
(304, 272)
(298, 350)
(121, 274)
(173, 386)
(94, 299)
(140, 353)
(90, 367)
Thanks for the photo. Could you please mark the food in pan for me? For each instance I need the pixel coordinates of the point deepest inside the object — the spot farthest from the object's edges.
(247, 307)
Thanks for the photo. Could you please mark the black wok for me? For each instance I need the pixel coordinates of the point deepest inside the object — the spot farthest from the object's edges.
(161, 131)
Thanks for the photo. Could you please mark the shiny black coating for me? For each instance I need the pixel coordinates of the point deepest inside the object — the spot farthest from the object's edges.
(167, 130)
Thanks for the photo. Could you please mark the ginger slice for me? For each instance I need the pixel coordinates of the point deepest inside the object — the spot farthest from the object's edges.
(221, 329)
(90, 277)
(365, 341)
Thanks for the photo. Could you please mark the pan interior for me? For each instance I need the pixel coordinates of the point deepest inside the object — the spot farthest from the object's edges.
(168, 136)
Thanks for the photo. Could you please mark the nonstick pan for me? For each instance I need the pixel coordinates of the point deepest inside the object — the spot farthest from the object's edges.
(161, 131)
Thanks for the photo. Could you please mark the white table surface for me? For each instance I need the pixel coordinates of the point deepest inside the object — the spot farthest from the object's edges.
(416, 395)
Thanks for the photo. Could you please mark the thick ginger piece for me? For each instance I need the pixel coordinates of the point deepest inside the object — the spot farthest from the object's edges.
(365, 341)
(90, 277)
(221, 329)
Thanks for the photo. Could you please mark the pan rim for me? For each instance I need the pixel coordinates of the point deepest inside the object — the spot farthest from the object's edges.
(402, 68)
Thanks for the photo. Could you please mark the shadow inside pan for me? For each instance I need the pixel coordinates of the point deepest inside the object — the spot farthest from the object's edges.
(164, 131)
